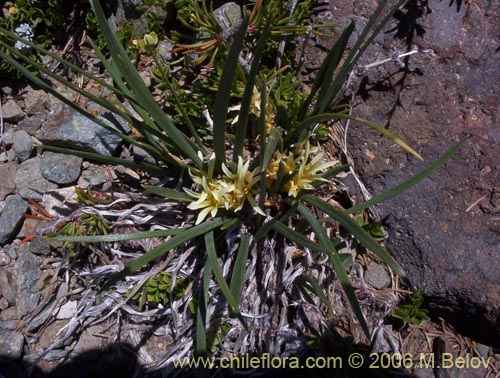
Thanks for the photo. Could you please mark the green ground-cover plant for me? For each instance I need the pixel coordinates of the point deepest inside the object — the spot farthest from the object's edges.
(250, 179)
(411, 311)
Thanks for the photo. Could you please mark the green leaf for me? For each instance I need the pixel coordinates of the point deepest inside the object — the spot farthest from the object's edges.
(334, 258)
(224, 93)
(310, 284)
(309, 122)
(168, 193)
(359, 233)
(159, 251)
(201, 312)
(214, 263)
(412, 181)
(151, 168)
(241, 126)
(239, 270)
(139, 89)
(323, 77)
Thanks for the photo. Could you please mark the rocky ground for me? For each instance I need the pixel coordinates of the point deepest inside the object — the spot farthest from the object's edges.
(444, 231)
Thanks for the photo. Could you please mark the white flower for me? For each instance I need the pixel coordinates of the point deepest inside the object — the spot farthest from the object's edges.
(24, 31)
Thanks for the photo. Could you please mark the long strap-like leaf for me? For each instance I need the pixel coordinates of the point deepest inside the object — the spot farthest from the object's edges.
(407, 184)
(330, 250)
(139, 89)
(359, 233)
(224, 93)
(159, 251)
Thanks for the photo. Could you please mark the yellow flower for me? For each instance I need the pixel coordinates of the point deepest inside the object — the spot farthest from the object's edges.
(242, 185)
(12, 10)
(210, 200)
(306, 173)
(229, 193)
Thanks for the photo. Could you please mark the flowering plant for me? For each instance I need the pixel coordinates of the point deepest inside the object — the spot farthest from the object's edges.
(246, 192)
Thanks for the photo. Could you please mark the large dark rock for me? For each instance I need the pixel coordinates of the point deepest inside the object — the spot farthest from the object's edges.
(72, 130)
(446, 230)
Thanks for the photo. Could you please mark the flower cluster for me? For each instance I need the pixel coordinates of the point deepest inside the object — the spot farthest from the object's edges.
(255, 108)
(300, 167)
(24, 31)
(230, 192)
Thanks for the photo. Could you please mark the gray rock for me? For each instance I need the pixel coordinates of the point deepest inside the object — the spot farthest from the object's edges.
(73, 130)
(60, 168)
(36, 101)
(11, 344)
(377, 276)
(11, 218)
(22, 145)
(33, 123)
(4, 304)
(5, 259)
(11, 112)
(94, 175)
(9, 314)
(8, 287)
(7, 156)
(30, 182)
(228, 15)
(7, 137)
(142, 155)
(27, 272)
(9, 324)
(8, 175)
(164, 49)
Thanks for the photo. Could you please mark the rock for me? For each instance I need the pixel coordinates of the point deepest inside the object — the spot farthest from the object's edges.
(7, 137)
(9, 314)
(448, 247)
(377, 276)
(60, 168)
(72, 130)
(7, 156)
(50, 333)
(94, 175)
(11, 344)
(5, 259)
(27, 272)
(60, 202)
(4, 304)
(36, 101)
(11, 218)
(164, 49)
(30, 182)
(142, 155)
(33, 123)
(8, 175)
(22, 145)
(228, 15)
(11, 112)
(40, 245)
(8, 287)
